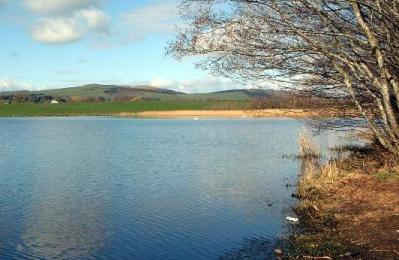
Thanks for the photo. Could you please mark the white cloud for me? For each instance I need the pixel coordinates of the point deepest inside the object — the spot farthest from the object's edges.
(57, 30)
(64, 21)
(58, 6)
(7, 84)
(64, 29)
(159, 17)
(209, 84)
(95, 19)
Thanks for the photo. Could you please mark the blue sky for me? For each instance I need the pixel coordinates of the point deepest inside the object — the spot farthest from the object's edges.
(61, 43)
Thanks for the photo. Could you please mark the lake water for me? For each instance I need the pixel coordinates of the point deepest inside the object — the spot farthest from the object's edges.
(109, 188)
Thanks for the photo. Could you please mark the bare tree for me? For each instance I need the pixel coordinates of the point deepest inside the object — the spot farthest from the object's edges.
(20, 97)
(330, 48)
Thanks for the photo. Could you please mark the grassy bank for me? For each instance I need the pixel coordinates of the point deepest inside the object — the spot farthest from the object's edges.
(103, 109)
(348, 208)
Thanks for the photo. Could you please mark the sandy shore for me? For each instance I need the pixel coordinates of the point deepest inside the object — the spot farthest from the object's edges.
(295, 113)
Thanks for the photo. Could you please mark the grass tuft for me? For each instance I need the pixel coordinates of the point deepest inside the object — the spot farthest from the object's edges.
(386, 175)
(308, 149)
(317, 179)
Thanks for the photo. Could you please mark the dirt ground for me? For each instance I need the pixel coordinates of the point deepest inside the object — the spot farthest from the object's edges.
(357, 217)
(367, 211)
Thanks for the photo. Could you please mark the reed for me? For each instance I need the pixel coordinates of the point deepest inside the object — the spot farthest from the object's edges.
(308, 149)
(317, 179)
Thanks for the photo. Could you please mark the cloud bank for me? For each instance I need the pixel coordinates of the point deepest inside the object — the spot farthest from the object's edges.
(65, 21)
(52, 7)
(70, 28)
(7, 84)
(191, 86)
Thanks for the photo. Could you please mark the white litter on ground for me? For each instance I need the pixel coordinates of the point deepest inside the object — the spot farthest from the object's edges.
(292, 219)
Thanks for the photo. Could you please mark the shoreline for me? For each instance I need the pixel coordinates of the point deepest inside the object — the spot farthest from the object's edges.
(265, 113)
(294, 113)
(348, 209)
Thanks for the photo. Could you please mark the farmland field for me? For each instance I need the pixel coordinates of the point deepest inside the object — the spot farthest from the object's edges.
(113, 108)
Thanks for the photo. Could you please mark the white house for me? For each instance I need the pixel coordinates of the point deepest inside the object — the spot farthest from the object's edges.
(54, 101)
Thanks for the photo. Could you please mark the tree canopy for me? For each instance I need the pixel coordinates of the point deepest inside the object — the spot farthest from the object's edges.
(331, 48)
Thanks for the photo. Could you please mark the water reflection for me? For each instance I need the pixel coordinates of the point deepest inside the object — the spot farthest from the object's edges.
(54, 231)
(143, 189)
(65, 219)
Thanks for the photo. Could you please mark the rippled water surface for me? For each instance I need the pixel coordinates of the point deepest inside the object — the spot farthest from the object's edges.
(106, 188)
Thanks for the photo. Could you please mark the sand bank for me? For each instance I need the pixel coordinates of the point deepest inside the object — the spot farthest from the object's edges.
(294, 113)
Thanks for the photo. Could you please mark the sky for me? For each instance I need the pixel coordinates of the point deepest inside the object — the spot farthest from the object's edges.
(46, 44)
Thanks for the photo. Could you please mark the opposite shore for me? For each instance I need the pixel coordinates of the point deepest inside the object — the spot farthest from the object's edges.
(5, 111)
(292, 113)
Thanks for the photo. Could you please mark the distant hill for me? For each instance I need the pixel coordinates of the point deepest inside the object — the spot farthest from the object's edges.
(128, 93)
(97, 90)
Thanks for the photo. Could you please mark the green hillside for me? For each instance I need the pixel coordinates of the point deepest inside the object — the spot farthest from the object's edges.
(95, 99)
(116, 92)
(96, 90)
(96, 93)
(92, 90)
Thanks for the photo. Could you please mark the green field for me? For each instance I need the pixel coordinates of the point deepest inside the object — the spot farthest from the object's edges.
(104, 109)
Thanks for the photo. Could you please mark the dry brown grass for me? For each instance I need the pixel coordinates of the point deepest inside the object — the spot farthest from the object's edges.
(308, 149)
(365, 202)
(350, 208)
(316, 179)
